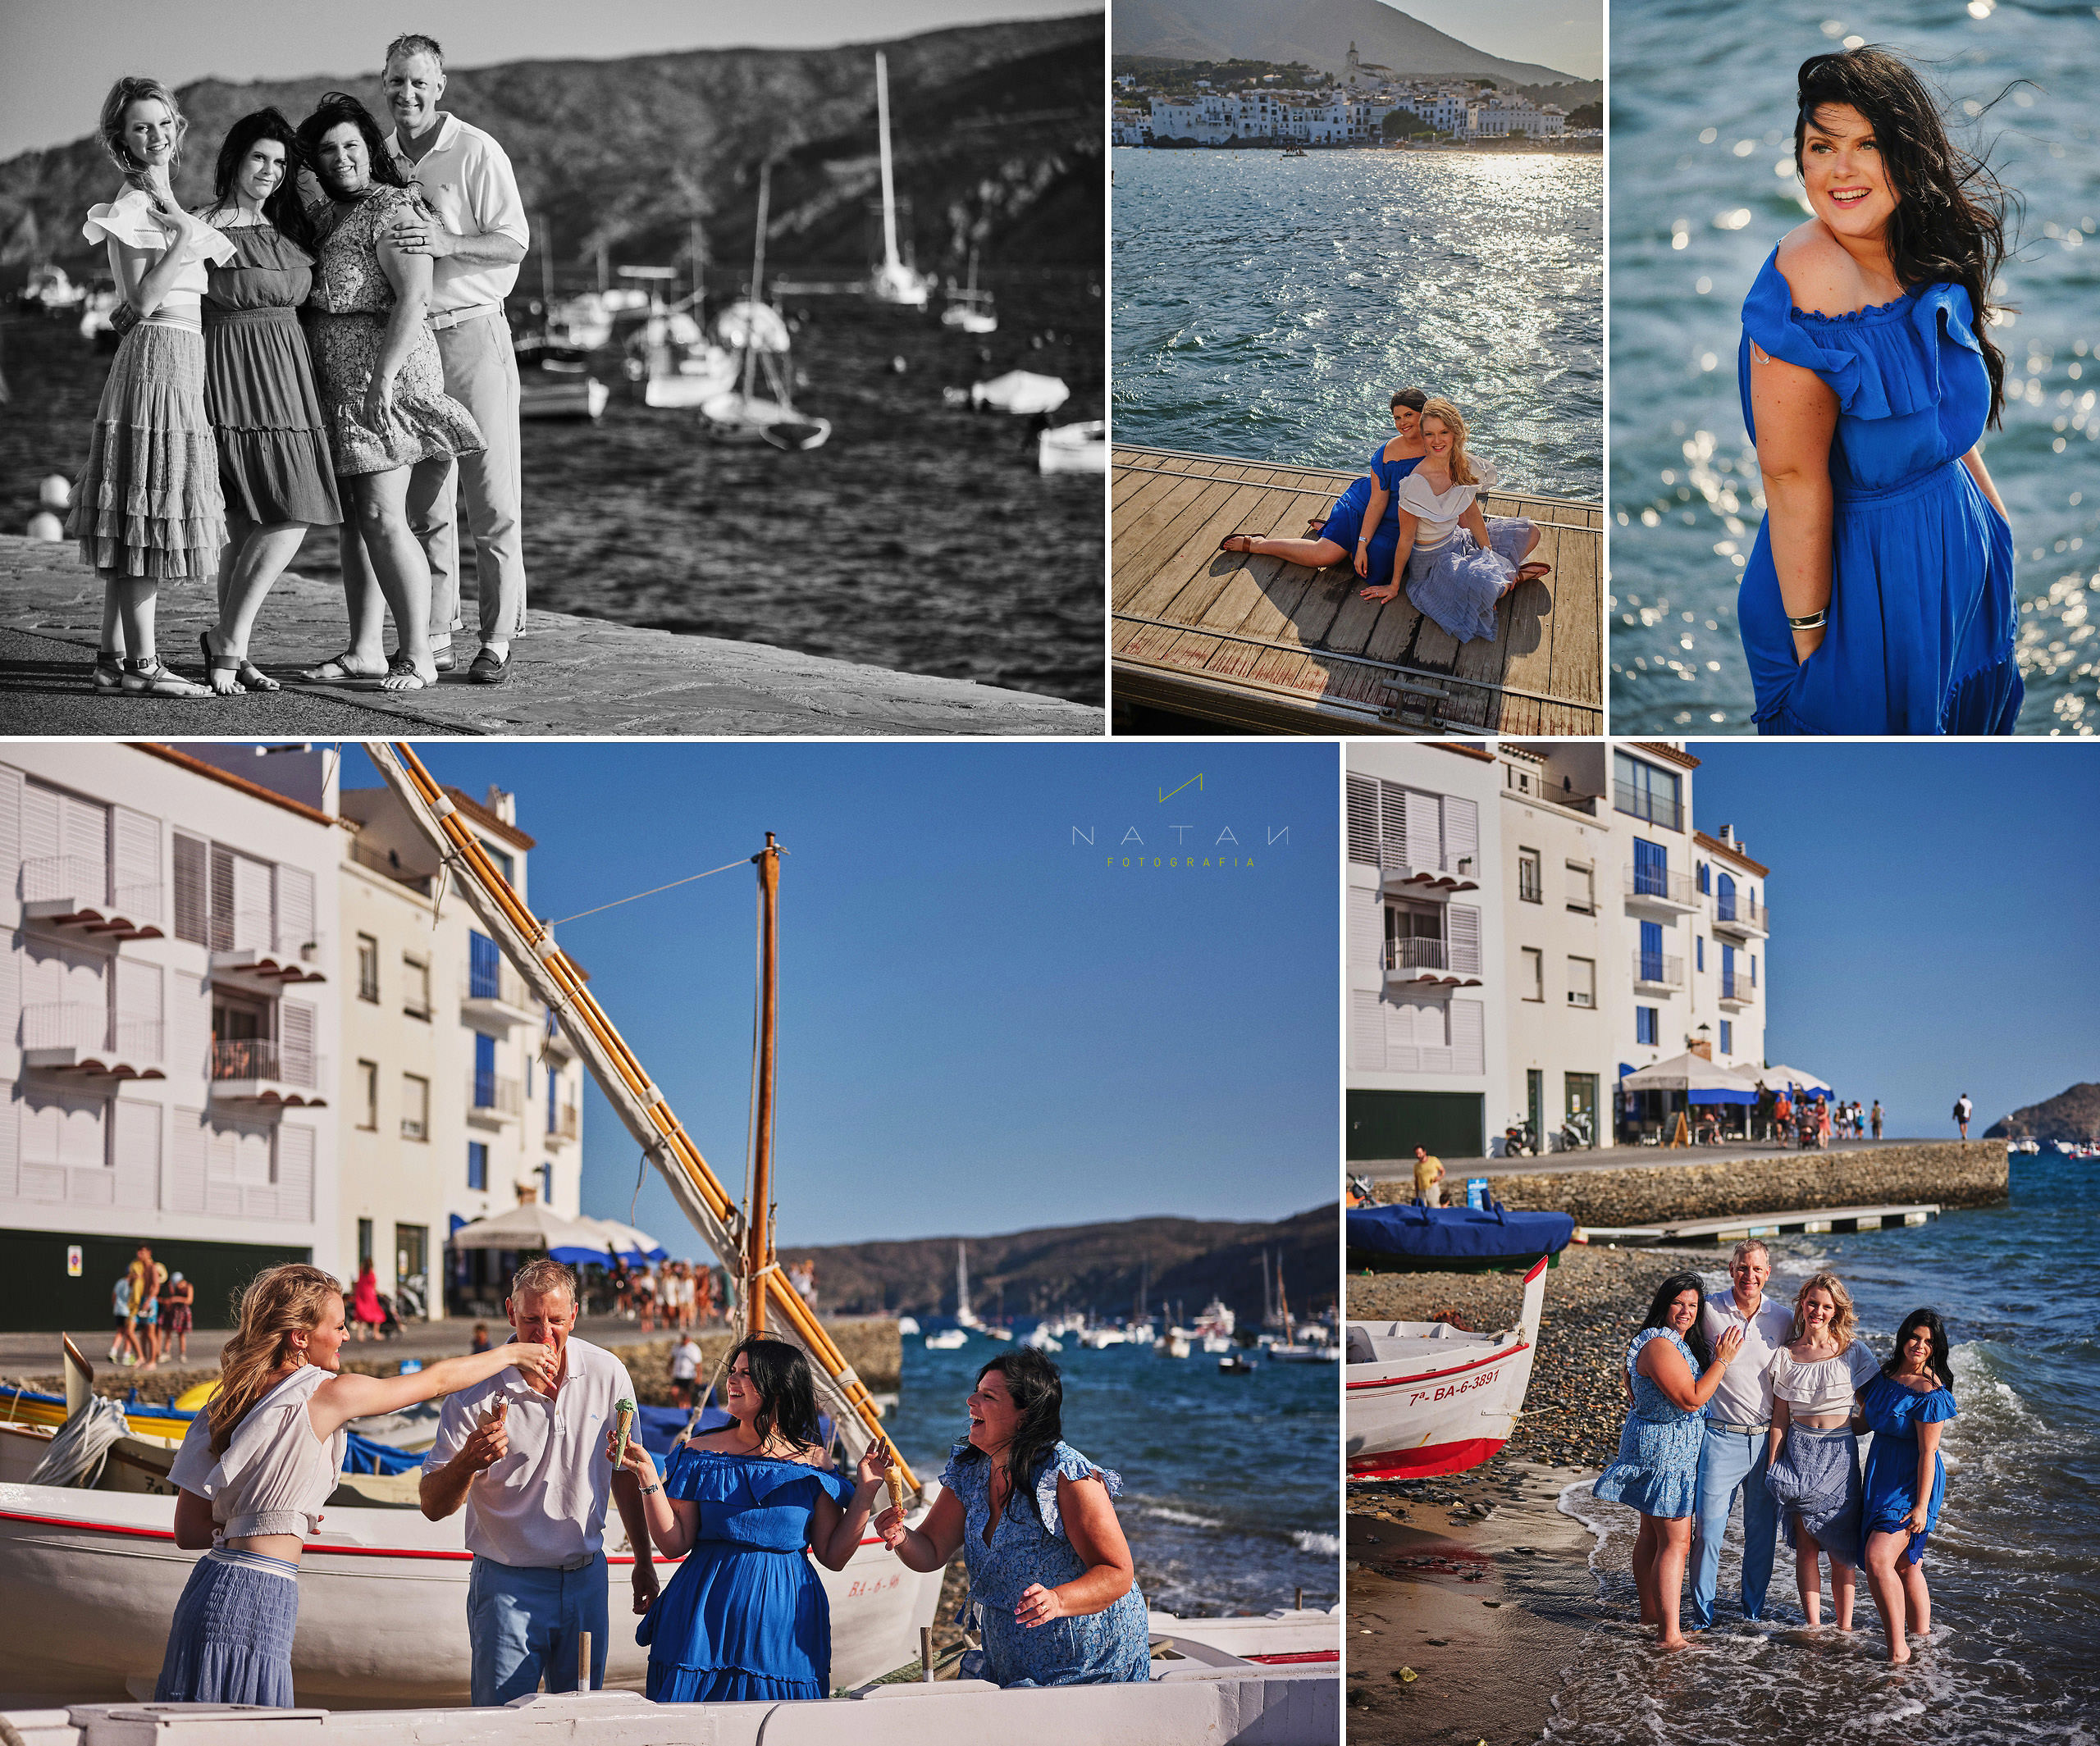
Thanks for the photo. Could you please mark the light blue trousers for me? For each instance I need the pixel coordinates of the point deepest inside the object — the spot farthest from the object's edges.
(524, 1623)
(1729, 1462)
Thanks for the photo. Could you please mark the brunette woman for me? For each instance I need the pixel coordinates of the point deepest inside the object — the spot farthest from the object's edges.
(1906, 1480)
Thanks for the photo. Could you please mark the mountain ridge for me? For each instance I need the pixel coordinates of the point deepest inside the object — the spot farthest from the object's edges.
(2071, 1114)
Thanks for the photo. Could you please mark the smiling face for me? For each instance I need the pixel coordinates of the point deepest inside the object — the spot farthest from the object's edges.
(739, 1393)
(993, 1417)
(412, 85)
(1408, 421)
(1843, 173)
(1436, 436)
(1684, 1311)
(342, 161)
(1750, 1271)
(1918, 1349)
(324, 1343)
(262, 172)
(1818, 1307)
(149, 132)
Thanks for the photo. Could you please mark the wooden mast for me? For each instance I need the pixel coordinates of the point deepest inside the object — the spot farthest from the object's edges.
(759, 1214)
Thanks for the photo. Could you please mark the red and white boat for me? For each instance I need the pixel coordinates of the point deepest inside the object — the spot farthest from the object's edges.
(1426, 1398)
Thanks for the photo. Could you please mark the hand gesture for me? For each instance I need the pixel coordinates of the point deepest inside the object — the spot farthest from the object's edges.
(634, 1459)
(1383, 595)
(647, 1586)
(1915, 1522)
(890, 1526)
(1731, 1343)
(489, 1443)
(1362, 559)
(1038, 1606)
(535, 1363)
(874, 1467)
(416, 230)
(378, 411)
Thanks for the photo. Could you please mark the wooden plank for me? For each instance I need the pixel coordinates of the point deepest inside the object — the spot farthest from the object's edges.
(1187, 582)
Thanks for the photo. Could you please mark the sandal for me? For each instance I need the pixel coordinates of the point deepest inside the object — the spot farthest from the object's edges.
(215, 664)
(1533, 572)
(341, 663)
(108, 674)
(1225, 544)
(151, 678)
(402, 668)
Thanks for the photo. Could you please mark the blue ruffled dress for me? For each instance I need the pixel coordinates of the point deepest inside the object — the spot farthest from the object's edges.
(746, 1615)
(1890, 1484)
(1028, 1546)
(1345, 522)
(1922, 611)
(1656, 1470)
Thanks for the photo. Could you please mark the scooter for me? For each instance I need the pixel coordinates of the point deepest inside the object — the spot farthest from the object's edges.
(1518, 1141)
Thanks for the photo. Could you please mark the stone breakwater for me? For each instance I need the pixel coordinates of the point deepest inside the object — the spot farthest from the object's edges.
(1954, 1173)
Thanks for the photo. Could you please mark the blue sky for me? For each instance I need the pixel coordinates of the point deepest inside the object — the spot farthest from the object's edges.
(1932, 914)
(984, 1026)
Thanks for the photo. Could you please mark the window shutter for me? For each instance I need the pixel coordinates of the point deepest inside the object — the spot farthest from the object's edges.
(85, 827)
(1424, 832)
(11, 1146)
(253, 913)
(1468, 1037)
(221, 899)
(10, 828)
(295, 1041)
(1392, 824)
(1363, 820)
(137, 840)
(1366, 939)
(1462, 831)
(296, 1148)
(294, 909)
(185, 1187)
(1366, 1032)
(40, 835)
(138, 1154)
(1464, 939)
(193, 901)
(137, 992)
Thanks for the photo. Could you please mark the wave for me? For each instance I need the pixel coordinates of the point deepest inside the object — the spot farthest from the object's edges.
(1325, 1544)
(1188, 1518)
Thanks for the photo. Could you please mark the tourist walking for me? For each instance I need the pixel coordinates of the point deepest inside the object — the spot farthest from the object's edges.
(1874, 1116)
(274, 468)
(1812, 1461)
(471, 223)
(1905, 1477)
(124, 1343)
(685, 1369)
(1671, 1373)
(178, 1316)
(1051, 1581)
(366, 1317)
(256, 1466)
(1428, 1178)
(1963, 1110)
(745, 1617)
(1732, 1451)
(522, 1454)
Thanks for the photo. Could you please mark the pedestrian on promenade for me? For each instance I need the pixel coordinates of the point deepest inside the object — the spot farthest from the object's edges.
(523, 1454)
(1963, 1110)
(1428, 1178)
(1782, 1115)
(1906, 1480)
(685, 1369)
(181, 1315)
(367, 1318)
(1671, 1373)
(1733, 1453)
(124, 1343)
(149, 1329)
(1822, 1124)
(146, 1276)
(479, 1343)
(1873, 1115)
(255, 1467)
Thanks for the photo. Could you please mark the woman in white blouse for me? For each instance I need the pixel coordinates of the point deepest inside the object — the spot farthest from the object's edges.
(1454, 563)
(1812, 1464)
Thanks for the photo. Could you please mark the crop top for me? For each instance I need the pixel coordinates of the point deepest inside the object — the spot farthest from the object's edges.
(276, 1475)
(129, 219)
(1826, 1385)
(1436, 513)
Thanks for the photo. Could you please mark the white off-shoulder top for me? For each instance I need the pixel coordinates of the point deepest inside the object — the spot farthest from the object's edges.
(1437, 512)
(129, 219)
(1827, 1385)
(275, 1475)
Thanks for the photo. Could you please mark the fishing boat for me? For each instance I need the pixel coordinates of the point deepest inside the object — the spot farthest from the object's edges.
(1492, 1236)
(1235, 1364)
(1044, 1340)
(1424, 1397)
(948, 1339)
(1174, 1343)
(894, 281)
(1022, 392)
(670, 353)
(1294, 151)
(1100, 1339)
(752, 332)
(970, 310)
(1074, 447)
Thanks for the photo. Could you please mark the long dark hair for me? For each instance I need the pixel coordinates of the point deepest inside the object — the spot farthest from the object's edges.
(1659, 1312)
(1413, 397)
(284, 211)
(1038, 1394)
(1948, 225)
(1940, 1363)
(788, 1395)
(334, 108)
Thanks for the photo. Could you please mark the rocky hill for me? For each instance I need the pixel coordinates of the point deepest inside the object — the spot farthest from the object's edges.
(1096, 1267)
(2074, 1115)
(997, 131)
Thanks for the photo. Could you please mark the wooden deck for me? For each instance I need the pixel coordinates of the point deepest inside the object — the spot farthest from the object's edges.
(1260, 643)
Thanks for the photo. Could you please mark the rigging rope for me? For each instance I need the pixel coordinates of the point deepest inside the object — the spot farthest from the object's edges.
(653, 890)
(77, 1453)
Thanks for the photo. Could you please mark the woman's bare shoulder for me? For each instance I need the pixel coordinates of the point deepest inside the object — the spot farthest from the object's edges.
(1823, 278)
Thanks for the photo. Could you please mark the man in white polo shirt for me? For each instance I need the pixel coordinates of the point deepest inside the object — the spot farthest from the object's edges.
(529, 1465)
(1732, 1448)
(479, 236)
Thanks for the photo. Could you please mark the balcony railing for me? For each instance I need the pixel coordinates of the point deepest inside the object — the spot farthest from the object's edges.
(565, 1123)
(1743, 986)
(491, 1094)
(1743, 912)
(1655, 970)
(82, 1025)
(1417, 954)
(253, 1058)
(1641, 803)
(502, 986)
(1662, 886)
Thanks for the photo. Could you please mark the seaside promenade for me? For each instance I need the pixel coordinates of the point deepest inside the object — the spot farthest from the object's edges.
(573, 676)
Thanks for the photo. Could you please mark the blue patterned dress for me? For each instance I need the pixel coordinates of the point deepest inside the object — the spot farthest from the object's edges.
(1030, 1546)
(746, 1615)
(1657, 1469)
(1893, 1414)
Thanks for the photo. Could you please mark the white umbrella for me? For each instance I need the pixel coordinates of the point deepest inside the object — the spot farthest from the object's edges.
(532, 1225)
(1778, 1079)
(1693, 1075)
(633, 1246)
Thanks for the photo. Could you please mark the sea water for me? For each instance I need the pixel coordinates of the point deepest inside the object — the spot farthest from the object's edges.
(2014, 1565)
(1701, 124)
(1268, 307)
(1229, 1497)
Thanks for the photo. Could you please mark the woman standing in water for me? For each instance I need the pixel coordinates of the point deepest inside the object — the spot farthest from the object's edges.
(1906, 1478)
(1879, 597)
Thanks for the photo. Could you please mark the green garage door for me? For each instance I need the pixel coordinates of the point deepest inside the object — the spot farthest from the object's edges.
(38, 1295)
(1391, 1124)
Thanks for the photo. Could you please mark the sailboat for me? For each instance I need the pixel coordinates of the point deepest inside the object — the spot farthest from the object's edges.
(1290, 1349)
(752, 331)
(893, 281)
(969, 309)
(965, 1317)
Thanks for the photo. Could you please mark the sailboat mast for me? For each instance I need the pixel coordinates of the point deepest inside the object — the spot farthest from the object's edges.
(758, 273)
(889, 188)
(759, 1238)
(961, 1284)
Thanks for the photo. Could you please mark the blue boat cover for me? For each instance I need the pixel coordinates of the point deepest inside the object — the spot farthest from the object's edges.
(1458, 1234)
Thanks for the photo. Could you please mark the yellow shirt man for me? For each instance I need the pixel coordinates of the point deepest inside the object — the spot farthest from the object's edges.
(1428, 1178)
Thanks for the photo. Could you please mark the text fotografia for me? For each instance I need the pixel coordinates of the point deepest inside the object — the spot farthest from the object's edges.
(1226, 850)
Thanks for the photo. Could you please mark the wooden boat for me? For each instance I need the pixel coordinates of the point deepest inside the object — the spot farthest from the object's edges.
(893, 280)
(1074, 447)
(970, 310)
(1424, 1398)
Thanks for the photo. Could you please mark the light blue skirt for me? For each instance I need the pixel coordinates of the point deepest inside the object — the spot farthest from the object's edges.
(1458, 583)
(1816, 1484)
(1657, 1470)
(232, 1641)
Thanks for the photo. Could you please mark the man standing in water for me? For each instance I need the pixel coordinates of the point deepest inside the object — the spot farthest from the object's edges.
(1732, 1450)
(474, 242)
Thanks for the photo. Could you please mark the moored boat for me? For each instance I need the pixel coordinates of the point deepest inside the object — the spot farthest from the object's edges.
(1080, 448)
(1469, 1236)
(894, 279)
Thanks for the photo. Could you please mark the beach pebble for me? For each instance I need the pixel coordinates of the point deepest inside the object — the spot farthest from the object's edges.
(1407, 1675)
(43, 525)
(55, 492)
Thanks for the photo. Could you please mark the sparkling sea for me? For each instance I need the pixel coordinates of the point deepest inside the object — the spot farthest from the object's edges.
(1702, 122)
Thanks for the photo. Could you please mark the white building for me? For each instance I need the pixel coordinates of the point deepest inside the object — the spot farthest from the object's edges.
(168, 1010)
(1425, 975)
(1501, 117)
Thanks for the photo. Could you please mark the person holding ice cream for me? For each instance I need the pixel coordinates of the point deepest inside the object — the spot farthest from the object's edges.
(528, 1460)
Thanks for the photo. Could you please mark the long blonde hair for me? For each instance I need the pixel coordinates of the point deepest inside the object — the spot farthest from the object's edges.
(278, 1303)
(116, 109)
(1454, 420)
(1844, 1321)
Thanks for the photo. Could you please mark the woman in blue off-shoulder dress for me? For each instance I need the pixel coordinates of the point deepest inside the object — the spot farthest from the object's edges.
(1879, 596)
(1671, 1375)
(1906, 1480)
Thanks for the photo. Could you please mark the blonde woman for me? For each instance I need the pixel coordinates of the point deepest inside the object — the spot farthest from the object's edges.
(1454, 563)
(1812, 1456)
(256, 1467)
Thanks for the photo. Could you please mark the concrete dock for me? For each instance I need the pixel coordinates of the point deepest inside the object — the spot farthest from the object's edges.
(1735, 1228)
(1256, 642)
(572, 676)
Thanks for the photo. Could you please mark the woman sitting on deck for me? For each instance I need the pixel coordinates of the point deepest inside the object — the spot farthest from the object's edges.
(1051, 1579)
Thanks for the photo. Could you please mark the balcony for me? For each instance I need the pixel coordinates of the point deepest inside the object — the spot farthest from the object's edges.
(492, 1101)
(253, 946)
(1739, 990)
(566, 1126)
(79, 1037)
(1435, 962)
(253, 1071)
(1641, 803)
(496, 1001)
(1655, 888)
(1438, 878)
(1739, 915)
(1654, 970)
(74, 890)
